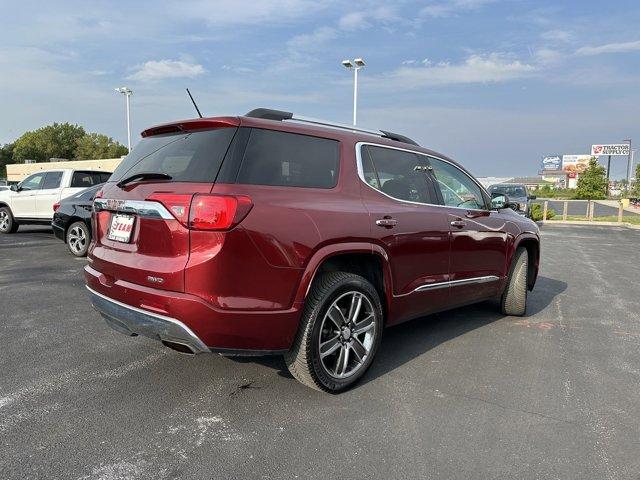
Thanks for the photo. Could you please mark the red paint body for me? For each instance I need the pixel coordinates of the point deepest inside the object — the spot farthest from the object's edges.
(244, 288)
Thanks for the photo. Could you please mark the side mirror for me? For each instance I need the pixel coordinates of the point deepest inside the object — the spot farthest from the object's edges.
(532, 197)
(14, 188)
(499, 201)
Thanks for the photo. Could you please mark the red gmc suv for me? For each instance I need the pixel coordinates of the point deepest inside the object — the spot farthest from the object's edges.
(276, 234)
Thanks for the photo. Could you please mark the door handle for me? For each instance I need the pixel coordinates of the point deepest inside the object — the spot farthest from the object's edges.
(386, 222)
(458, 223)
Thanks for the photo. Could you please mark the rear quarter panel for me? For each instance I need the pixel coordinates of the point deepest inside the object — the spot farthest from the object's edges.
(273, 246)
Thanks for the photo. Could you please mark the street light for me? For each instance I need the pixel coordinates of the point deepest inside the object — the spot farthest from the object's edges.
(356, 65)
(127, 92)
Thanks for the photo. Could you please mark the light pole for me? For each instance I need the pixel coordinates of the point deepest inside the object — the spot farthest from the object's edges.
(127, 92)
(356, 65)
(628, 164)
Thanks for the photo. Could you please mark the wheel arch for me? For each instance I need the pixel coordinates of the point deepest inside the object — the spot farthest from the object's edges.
(365, 259)
(531, 243)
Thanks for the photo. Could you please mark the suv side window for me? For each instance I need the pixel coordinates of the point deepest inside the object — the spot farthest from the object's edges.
(289, 159)
(52, 180)
(394, 173)
(33, 182)
(458, 189)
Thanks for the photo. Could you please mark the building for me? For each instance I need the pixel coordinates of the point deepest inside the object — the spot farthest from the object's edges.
(19, 171)
(532, 183)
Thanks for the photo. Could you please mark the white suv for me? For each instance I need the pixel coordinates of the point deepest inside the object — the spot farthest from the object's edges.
(32, 200)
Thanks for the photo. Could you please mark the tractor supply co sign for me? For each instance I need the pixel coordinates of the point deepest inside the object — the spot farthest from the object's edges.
(613, 149)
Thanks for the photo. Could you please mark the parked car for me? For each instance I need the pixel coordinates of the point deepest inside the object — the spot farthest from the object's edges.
(31, 201)
(72, 220)
(518, 195)
(273, 234)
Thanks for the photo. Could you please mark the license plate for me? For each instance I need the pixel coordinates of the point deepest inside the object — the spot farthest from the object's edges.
(121, 227)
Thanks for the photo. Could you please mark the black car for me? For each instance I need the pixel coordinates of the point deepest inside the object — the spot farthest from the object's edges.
(72, 220)
(518, 196)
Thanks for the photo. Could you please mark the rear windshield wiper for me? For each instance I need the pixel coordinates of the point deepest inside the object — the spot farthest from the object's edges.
(144, 176)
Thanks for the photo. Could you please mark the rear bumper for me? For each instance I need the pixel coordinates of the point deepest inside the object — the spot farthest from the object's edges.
(135, 321)
(188, 320)
(58, 231)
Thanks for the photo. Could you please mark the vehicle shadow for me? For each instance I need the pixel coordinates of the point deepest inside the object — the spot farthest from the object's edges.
(404, 342)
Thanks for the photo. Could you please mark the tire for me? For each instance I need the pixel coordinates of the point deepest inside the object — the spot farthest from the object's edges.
(514, 297)
(7, 223)
(330, 301)
(78, 239)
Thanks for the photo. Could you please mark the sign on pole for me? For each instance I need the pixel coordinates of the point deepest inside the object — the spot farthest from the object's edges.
(612, 149)
(552, 162)
(575, 163)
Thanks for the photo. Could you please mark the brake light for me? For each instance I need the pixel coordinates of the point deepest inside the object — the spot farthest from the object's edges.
(176, 203)
(56, 206)
(218, 212)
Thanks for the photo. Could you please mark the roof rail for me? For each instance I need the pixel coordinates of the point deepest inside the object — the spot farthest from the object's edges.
(398, 138)
(269, 114)
(279, 115)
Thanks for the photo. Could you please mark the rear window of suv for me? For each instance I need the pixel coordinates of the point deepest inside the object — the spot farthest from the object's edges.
(88, 179)
(186, 157)
(289, 159)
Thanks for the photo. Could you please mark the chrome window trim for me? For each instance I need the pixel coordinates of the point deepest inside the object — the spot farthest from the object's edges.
(452, 283)
(142, 208)
(358, 148)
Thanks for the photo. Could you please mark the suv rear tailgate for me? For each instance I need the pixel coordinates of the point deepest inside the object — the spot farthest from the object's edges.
(140, 232)
(158, 247)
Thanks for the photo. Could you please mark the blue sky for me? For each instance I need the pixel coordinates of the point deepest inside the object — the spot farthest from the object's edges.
(494, 84)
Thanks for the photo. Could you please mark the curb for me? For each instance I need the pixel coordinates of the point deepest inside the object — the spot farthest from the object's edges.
(589, 224)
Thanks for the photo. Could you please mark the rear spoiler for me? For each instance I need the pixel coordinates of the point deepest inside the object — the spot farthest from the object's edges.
(192, 125)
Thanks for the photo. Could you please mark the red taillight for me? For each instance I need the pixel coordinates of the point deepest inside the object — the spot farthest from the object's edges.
(56, 206)
(176, 203)
(204, 211)
(218, 212)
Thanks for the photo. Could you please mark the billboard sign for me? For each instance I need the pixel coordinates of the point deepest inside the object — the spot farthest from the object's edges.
(552, 162)
(575, 163)
(612, 149)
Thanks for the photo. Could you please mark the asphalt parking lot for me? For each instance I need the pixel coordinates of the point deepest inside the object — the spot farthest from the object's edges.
(464, 394)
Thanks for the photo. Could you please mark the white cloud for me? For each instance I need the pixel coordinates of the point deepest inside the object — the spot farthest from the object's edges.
(610, 48)
(557, 35)
(362, 19)
(548, 56)
(490, 68)
(154, 70)
(256, 12)
(451, 7)
(312, 41)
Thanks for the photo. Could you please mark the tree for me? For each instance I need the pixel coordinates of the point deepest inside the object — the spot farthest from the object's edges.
(94, 146)
(636, 190)
(53, 141)
(592, 183)
(6, 157)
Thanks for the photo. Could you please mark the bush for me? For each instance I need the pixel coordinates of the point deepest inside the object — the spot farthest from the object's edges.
(537, 211)
(547, 192)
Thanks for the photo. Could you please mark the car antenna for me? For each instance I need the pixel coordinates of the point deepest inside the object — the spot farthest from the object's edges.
(194, 103)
